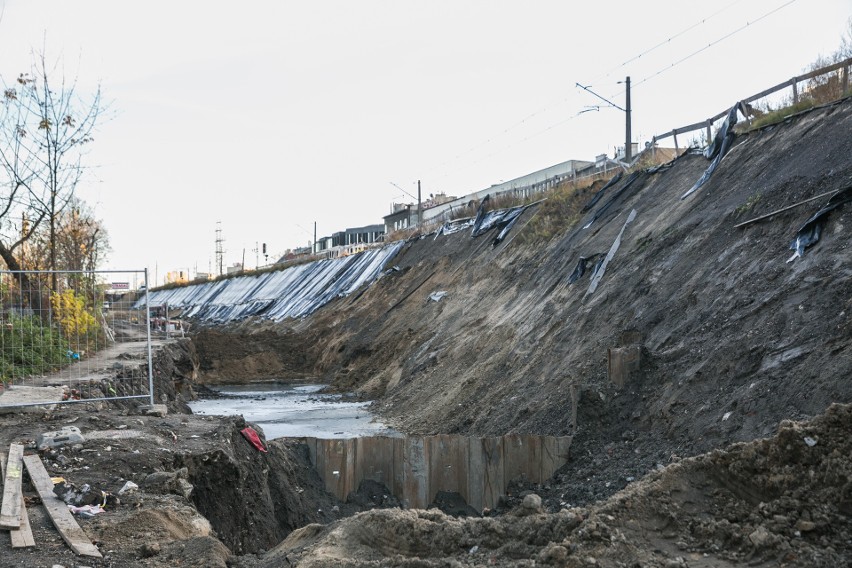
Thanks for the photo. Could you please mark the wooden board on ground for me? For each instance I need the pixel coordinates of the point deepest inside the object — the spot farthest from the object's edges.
(22, 537)
(10, 511)
(62, 519)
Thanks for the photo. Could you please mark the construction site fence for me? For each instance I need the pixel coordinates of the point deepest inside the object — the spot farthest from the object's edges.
(416, 468)
(793, 83)
(58, 330)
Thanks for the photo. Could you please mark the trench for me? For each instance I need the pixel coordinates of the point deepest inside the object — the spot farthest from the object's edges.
(327, 451)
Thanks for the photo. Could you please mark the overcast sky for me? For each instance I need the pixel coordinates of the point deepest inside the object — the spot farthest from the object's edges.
(268, 116)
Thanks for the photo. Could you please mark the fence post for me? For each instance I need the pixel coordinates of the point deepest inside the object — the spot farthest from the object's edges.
(677, 150)
(709, 131)
(844, 80)
(795, 91)
(148, 334)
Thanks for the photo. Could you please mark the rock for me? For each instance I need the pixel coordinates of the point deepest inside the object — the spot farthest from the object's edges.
(760, 537)
(554, 554)
(805, 526)
(165, 482)
(531, 505)
(128, 487)
(149, 549)
(159, 410)
(531, 502)
(64, 436)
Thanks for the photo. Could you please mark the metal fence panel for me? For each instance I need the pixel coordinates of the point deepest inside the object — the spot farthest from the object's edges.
(61, 333)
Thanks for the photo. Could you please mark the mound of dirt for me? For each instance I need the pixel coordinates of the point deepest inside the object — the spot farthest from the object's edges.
(780, 501)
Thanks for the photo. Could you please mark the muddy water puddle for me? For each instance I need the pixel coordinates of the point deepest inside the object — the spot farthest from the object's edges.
(293, 411)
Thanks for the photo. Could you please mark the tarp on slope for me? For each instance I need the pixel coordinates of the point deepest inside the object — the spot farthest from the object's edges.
(601, 268)
(716, 151)
(290, 293)
(811, 231)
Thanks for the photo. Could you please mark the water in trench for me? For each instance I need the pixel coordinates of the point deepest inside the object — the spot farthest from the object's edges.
(286, 410)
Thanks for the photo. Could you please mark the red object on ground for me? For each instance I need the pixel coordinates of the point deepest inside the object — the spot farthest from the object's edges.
(250, 434)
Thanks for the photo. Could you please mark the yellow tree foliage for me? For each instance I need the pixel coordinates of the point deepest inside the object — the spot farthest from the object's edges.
(69, 309)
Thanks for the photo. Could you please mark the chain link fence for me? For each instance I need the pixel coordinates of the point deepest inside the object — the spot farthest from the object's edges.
(74, 336)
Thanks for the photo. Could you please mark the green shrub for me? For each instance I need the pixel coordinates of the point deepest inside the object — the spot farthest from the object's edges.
(27, 347)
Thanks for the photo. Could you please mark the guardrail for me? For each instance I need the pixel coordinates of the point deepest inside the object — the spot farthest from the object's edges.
(790, 83)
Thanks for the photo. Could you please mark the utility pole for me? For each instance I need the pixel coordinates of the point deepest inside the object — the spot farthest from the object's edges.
(419, 206)
(628, 144)
(220, 252)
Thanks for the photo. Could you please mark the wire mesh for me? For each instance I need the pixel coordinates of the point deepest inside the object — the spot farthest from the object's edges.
(74, 336)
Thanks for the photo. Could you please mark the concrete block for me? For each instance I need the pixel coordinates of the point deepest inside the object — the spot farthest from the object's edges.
(159, 410)
(67, 435)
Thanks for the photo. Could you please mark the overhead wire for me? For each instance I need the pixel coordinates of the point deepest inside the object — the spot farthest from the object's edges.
(544, 109)
(708, 46)
(634, 84)
(666, 41)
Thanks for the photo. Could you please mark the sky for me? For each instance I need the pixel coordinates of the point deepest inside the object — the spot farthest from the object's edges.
(264, 117)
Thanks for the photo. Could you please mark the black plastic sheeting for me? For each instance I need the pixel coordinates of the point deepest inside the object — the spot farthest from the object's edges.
(454, 226)
(507, 222)
(616, 196)
(293, 292)
(811, 231)
(502, 219)
(480, 218)
(599, 193)
(583, 265)
(716, 151)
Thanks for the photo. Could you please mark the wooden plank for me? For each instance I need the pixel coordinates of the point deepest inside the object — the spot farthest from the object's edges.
(10, 511)
(691, 127)
(62, 519)
(768, 215)
(824, 70)
(22, 537)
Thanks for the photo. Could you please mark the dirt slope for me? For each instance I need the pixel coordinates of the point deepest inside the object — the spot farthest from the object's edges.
(734, 338)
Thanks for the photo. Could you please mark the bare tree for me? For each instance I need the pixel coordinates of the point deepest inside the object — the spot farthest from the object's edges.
(81, 241)
(44, 135)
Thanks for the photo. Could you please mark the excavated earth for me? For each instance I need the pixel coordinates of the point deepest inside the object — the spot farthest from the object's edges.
(727, 446)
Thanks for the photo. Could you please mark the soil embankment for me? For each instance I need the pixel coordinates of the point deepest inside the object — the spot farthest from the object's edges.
(733, 337)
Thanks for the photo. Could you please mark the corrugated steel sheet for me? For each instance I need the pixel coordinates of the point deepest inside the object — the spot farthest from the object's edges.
(415, 468)
(293, 292)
